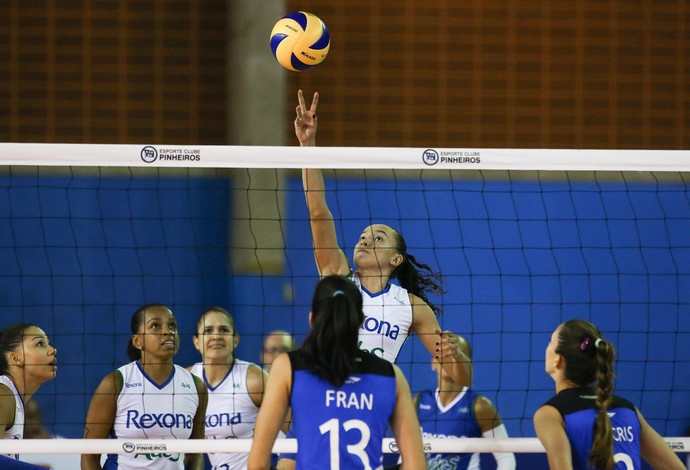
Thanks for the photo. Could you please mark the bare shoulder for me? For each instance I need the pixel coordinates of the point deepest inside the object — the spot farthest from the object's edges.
(200, 385)
(484, 407)
(111, 384)
(256, 378)
(546, 416)
(7, 404)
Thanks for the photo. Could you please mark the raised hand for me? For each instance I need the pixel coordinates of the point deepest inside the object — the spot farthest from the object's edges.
(306, 121)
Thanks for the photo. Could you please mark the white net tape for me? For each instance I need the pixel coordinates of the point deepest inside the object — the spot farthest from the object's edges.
(123, 446)
(187, 156)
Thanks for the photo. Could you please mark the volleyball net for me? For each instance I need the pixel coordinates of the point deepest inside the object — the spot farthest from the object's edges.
(526, 238)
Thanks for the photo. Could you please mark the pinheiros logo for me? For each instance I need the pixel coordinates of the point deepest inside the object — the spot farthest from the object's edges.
(676, 446)
(432, 157)
(151, 154)
(144, 448)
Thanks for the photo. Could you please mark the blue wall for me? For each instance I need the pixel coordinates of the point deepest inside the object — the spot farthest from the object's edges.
(519, 258)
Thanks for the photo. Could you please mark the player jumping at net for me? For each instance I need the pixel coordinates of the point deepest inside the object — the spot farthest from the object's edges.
(27, 361)
(149, 398)
(379, 256)
(586, 426)
(235, 387)
(342, 398)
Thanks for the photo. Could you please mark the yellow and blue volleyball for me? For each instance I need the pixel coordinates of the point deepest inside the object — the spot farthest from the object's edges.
(300, 41)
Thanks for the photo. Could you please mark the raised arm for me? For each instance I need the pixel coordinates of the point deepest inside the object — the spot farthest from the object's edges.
(330, 259)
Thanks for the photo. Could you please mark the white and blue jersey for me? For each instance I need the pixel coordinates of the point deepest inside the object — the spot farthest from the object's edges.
(456, 419)
(17, 429)
(578, 408)
(342, 427)
(387, 320)
(230, 414)
(147, 410)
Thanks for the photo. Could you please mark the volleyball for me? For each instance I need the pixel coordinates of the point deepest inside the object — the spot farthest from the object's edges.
(300, 41)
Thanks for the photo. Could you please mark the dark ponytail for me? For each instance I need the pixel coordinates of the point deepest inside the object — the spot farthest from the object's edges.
(331, 349)
(418, 278)
(589, 358)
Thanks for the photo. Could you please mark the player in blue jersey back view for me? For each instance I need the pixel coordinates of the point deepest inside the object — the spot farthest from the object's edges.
(342, 399)
(585, 426)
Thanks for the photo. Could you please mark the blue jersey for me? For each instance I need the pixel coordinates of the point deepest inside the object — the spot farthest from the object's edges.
(456, 419)
(344, 425)
(579, 411)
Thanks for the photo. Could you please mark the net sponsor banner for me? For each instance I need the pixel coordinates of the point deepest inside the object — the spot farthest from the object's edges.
(188, 156)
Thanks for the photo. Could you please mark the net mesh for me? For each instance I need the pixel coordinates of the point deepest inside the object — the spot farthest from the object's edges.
(522, 250)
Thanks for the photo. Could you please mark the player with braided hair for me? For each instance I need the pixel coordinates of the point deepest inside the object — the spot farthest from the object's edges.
(392, 311)
(586, 426)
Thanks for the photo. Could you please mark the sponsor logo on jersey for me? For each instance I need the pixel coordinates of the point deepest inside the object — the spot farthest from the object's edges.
(223, 419)
(378, 352)
(380, 327)
(161, 420)
(424, 407)
(352, 380)
(133, 385)
(433, 435)
(150, 457)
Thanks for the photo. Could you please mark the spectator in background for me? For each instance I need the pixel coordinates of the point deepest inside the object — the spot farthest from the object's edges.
(275, 343)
